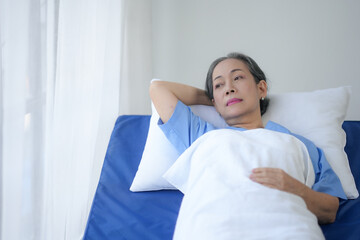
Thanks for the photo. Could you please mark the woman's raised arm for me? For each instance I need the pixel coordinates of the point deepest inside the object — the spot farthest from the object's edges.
(165, 96)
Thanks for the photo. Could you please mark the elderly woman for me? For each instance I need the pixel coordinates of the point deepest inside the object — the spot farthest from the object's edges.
(237, 88)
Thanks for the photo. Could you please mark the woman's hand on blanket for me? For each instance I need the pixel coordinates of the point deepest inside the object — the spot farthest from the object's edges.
(323, 205)
(278, 179)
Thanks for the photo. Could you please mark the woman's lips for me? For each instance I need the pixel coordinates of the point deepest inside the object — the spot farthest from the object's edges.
(233, 101)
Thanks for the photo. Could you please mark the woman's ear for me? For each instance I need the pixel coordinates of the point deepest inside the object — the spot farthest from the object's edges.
(214, 103)
(262, 87)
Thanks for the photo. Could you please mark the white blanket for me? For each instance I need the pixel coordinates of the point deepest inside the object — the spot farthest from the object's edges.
(220, 200)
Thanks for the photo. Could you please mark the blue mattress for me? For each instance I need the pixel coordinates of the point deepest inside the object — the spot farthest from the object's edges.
(118, 213)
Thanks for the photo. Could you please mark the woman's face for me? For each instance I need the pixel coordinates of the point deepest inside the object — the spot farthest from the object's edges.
(236, 94)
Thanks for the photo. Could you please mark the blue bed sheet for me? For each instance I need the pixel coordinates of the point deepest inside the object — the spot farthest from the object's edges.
(118, 213)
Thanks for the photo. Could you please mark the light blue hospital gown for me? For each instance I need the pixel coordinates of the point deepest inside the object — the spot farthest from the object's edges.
(184, 127)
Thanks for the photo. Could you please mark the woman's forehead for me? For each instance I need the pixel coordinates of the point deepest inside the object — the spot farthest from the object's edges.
(228, 66)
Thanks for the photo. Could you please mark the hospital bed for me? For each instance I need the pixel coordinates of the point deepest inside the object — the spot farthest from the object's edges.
(118, 213)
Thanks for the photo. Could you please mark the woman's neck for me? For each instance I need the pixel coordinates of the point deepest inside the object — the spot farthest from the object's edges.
(250, 123)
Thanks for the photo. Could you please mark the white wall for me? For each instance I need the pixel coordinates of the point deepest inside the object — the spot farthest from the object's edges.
(301, 45)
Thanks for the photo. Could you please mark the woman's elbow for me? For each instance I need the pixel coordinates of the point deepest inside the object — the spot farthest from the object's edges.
(331, 213)
(152, 87)
(330, 218)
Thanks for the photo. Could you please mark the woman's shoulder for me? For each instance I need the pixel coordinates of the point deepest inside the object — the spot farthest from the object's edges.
(280, 128)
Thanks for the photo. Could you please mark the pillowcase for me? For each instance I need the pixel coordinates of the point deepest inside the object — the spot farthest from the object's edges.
(316, 115)
(159, 154)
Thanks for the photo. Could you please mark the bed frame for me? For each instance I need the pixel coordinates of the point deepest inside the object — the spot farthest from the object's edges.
(118, 213)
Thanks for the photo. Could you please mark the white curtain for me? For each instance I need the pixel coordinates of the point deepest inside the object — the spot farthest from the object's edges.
(68, 68)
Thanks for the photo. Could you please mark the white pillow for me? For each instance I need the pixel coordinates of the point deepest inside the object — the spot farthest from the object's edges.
(316, 115)
(159, 154)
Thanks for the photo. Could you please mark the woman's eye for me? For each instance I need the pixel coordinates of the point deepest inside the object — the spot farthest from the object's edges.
(218, 85)
(238, 77)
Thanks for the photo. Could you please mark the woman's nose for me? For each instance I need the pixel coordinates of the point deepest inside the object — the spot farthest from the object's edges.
(230, 90)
